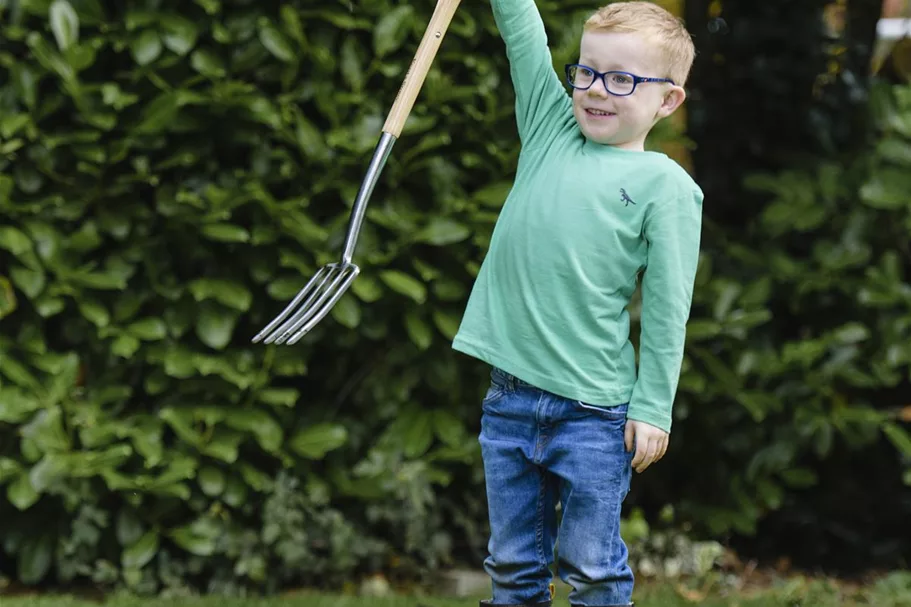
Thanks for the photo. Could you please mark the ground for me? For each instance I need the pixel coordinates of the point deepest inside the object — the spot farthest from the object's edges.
(888, 591)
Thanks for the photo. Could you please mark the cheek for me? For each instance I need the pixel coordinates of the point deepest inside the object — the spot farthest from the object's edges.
(648, 105)
(632, 110)
(625, 106)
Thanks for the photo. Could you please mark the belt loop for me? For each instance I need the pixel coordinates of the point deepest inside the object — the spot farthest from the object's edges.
(511, 382)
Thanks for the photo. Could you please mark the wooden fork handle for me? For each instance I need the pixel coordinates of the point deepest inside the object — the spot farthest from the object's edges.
(420, 66)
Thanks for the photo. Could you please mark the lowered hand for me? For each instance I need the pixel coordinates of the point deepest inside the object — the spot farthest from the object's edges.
(650, 443)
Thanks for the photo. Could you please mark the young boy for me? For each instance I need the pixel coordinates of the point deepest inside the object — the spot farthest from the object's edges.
(567, 416)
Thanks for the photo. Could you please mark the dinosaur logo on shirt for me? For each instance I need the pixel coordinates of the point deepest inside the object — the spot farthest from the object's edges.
(624, 198)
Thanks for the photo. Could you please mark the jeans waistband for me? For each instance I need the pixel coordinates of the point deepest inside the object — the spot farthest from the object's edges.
(509, 381)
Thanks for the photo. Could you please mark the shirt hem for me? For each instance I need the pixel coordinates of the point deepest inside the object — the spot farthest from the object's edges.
(602, 399)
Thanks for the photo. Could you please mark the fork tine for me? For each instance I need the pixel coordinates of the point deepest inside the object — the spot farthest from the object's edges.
(294, 309)
(290, 307)
(308, 310)
(303, 309)
(352, 274)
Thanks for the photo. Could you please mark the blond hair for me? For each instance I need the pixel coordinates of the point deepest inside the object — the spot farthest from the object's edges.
(667, 31)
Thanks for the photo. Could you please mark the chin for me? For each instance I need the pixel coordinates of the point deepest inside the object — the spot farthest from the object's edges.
(601, 137)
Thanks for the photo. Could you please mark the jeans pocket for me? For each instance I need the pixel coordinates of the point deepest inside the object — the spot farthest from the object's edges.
(494, 393)
(614, 412)
(497, 389)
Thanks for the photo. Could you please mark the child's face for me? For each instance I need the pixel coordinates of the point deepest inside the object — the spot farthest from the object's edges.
(629, 118)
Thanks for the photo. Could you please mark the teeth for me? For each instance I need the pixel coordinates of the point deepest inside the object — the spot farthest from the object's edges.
(599, 112)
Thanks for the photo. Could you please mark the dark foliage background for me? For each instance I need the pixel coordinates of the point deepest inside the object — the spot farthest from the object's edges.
(172, 172)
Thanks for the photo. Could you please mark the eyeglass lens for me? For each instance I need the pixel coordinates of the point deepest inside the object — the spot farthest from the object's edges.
(618, 84)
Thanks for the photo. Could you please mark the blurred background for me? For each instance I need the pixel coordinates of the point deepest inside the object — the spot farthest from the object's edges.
(172, 173)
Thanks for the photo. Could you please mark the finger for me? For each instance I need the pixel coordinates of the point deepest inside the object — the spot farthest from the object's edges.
(642, 445)
(629, 436)
(639, 447)
(663, 448)
(650, 453)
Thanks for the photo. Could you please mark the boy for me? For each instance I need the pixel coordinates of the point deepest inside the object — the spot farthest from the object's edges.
(567, 417)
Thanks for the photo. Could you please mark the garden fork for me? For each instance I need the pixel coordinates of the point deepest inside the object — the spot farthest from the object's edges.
(328, 285)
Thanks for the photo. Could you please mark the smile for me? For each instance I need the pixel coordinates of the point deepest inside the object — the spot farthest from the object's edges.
(599, 113)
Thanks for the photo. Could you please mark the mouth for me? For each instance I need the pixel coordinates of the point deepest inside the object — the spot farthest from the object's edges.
(596, 113)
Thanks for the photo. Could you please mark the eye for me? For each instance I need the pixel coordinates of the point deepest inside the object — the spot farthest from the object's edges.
(585, 72)
(621, 79)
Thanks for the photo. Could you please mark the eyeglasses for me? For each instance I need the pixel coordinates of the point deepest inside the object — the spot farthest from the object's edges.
(621, 84)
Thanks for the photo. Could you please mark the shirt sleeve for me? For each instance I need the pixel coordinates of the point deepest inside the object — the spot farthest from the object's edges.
(540, 96)
(673, 233)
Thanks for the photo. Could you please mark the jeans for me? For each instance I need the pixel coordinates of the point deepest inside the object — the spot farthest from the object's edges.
(540, 449)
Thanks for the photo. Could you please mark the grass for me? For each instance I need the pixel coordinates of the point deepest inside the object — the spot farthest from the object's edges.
(890, 591)
(662, 599)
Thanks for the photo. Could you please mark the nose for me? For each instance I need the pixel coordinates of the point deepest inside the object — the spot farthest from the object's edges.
(598, 88)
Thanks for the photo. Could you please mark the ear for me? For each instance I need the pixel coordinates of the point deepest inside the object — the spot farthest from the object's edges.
(673, 99)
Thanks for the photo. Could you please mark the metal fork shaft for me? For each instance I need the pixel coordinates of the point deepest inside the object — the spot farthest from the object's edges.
(380, 156)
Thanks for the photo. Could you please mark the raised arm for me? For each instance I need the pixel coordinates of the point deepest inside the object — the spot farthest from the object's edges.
(540, 97)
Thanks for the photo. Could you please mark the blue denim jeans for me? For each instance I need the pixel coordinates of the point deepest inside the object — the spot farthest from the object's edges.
(539, 450)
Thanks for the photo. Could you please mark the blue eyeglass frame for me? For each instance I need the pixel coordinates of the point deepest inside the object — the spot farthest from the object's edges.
(601, 75)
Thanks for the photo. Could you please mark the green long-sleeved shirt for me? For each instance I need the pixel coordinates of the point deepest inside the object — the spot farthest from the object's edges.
(578, 228)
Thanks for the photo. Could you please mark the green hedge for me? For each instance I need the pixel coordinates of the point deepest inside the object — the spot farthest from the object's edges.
(170, 175)
(774, 91)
